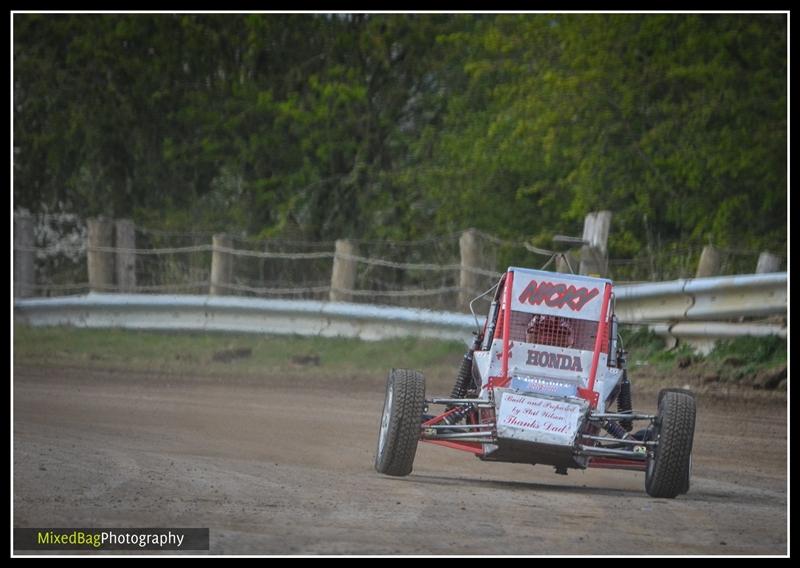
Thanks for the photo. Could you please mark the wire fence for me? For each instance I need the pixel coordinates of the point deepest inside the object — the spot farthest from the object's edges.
(431, 273)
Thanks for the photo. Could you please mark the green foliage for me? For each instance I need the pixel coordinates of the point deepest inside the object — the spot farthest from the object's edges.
(645, 347)
(669, 357)
(731, 360)
(748, 357)
(398, 126)
(641, 341)
(751, 351)
(652, 117)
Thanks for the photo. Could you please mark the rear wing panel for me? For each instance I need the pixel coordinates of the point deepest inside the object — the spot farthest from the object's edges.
(555, 294)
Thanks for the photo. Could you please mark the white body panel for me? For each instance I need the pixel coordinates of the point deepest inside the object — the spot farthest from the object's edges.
(538, 419)
(571, 365)
(556, 365)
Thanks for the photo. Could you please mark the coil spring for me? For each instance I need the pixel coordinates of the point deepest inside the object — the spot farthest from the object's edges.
(614, 429)
(457, 416)
(463, 377)
(624, 401)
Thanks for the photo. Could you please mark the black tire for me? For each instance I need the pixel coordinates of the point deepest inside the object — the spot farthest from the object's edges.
(662, 392)
(669, 468)
(400, 423)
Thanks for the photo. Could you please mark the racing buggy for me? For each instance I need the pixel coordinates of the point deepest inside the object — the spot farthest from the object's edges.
(544, 382)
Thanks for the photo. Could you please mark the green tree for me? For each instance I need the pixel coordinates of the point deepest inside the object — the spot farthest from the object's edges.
(396, 126)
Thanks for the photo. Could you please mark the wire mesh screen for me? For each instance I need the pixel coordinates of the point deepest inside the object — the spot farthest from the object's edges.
(281, 268)
(171, 262)
(674, 261)
(442, 273)
(555, 331)
(421, 274)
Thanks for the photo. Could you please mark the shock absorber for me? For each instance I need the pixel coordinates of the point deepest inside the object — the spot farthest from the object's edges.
(465, 372)
(624, 401)
(615, 429)
(463, 380)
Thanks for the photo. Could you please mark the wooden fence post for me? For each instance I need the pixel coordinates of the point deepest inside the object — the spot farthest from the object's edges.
(469, 281)
(768, 262)
(710, 262)
(100, 263)
(343, 276)
(594, 256)
(24, 266)
(221, 265)
(126, 260)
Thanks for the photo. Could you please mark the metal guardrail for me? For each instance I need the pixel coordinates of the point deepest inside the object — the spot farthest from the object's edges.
(670, 308)
(703, 335)
(703, 299)
(235, 314)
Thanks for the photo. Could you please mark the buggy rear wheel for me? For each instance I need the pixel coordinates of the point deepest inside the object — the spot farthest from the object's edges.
(669, 467)
(400, 423)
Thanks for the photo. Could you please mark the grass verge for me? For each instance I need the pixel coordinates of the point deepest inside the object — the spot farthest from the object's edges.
(758, 363)
(749, 363)
(226, 353)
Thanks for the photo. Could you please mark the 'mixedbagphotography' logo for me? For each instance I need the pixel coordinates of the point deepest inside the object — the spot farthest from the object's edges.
(110, 539)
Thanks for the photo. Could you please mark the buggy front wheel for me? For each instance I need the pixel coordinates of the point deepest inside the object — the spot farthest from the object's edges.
(400, 423)
(670, 464)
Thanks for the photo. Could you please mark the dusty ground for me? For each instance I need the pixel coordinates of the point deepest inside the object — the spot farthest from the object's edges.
(280, 467)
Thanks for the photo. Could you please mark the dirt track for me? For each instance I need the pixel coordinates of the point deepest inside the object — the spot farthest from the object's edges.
(287, 468)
